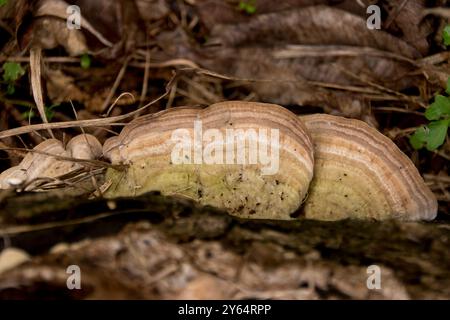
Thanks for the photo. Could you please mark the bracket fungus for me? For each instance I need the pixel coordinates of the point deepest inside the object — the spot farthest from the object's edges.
(40, 164)
(360, 173)
(255, 160)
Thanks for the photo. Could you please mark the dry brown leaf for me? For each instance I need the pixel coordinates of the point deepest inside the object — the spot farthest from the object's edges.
(150, 10)
(405, 17)
(61, 87)
(214, 12)
(315, 25)
(305, 75)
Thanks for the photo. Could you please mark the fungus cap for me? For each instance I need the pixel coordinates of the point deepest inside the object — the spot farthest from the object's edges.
(247, 133)
(360, 173)
(40, 163)
(85, 146)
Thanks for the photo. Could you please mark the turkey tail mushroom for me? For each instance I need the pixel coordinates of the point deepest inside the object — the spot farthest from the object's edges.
(33, 165)
(221, 158)
(360, 173)
(254, 160)
(40, 163)
(85, 146)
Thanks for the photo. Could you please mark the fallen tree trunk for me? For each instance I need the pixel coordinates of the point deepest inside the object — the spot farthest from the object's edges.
(156, 247)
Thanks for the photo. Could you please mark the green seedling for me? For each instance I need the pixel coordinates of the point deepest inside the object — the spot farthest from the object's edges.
(48, 112)
(12, 71)
(248, 6)
(433, 135)
(85, 61)
(446, 35)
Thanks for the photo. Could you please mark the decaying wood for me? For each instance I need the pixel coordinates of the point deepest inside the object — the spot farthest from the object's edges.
(181, 250)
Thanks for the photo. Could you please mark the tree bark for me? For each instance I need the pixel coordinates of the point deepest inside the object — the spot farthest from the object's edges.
(156, 247)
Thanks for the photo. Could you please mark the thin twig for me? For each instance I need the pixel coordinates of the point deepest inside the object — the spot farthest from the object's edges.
(95, 163)
(85, 123)
(146, 76)
(116, 101)
(116, 84)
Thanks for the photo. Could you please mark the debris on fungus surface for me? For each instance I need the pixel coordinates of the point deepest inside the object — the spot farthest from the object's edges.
(253, 159)
(45, 161)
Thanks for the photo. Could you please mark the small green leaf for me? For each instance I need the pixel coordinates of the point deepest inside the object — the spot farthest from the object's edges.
(85, 61)
(28, 114)
(431, 136)
(439, 108)
(418, 139)
(3, 2)
(49, 111)
(12, 71)
(249, 7)
(446, 35)
(437, 134)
